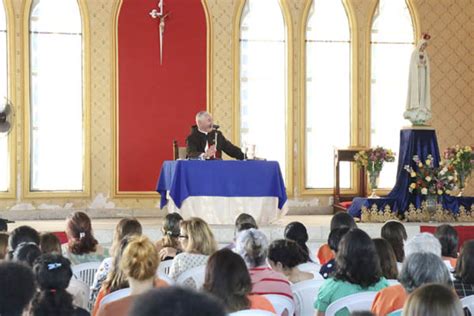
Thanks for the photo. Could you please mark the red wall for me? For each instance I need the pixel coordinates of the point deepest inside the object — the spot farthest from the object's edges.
(157, 103)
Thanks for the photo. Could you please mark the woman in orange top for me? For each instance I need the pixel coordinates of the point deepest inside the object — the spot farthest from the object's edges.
(228, 279)
(139, 262)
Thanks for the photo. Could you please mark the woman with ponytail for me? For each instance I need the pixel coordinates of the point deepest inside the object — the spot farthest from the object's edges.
(82, 246)
(53, 273)
(169, 246)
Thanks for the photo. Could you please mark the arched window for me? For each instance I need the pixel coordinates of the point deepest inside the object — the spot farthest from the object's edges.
(57, 124)
(263, 80)
(392, 40)
(328, 92)
(4, 150)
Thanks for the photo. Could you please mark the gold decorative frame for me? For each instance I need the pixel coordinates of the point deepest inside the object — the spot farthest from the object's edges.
(11, 62)
(289, 80)
(354, 103)
(115, 100)
(27, 193)
(416, 33)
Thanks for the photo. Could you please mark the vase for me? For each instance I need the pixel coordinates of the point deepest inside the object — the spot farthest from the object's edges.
(462, 176)
(431, 203)
(373, 179)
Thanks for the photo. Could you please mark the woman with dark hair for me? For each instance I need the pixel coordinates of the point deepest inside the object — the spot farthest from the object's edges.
(297, 232)
(169, 246)
(228, 279)
(284, 256)
(82, 246)
(394, 232)
(334, 239)
(17, 288)
(26, 252)
(449, 240)
(388, 261)
(53, 273)
(464, 282)
(49, 243)
(339, 220)
(357, 270)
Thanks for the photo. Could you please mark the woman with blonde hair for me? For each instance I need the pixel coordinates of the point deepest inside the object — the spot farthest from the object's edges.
(197, 242)
(82, 246)
(434, 300)
(139, 263)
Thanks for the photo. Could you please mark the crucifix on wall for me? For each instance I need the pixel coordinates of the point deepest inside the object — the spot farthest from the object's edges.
(159, 14)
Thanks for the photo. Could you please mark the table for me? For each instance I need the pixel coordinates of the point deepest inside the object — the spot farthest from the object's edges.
(219, 190)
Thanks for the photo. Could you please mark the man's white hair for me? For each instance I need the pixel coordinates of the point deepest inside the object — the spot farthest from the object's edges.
(423, 242)
(201, 114)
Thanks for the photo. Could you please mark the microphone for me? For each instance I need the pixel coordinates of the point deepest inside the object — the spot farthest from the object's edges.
(215, 126)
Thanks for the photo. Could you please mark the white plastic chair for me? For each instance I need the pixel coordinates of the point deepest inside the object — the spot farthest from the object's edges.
(312, 268)
(86, 272)
(252, 312)
(355, 302)
(304, 294)
(468, 302)
(165, 266)
(281, 304)
(115, 296)
(165, 278)
(195, 275)
(393, 282)
(80, 293)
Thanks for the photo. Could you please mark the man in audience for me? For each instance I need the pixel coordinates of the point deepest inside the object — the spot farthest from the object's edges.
(17, 287)
(176, 301)
(201, 143)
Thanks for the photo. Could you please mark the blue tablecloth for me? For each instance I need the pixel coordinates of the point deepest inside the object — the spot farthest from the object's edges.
(184, 178)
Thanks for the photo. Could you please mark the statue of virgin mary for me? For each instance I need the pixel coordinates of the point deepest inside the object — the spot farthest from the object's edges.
(418, 108)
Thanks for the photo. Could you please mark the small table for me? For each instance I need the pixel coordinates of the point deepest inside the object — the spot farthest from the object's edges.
(218, 191)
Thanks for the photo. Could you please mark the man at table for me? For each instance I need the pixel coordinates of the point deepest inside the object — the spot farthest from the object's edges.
(201, 143)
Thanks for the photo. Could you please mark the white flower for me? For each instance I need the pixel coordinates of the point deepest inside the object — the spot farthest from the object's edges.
(428, 178)
(450, 178)
(424, 191)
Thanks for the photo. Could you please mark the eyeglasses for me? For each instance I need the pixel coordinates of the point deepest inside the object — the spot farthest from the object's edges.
(183, 236)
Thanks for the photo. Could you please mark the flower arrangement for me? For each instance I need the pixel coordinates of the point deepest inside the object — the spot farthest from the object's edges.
(373, 159)
(460, 159)
(430, 180)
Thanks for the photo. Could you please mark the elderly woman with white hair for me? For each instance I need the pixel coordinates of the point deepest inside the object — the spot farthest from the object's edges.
(418, 269)
(423, 242)
(252, 245)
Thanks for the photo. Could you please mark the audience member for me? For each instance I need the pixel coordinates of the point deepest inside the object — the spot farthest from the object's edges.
(198, 243)
(339, 220)
(115, 279)
(464, 282)
(140, 261)
(169, 246)
(433, 300)
(418, 269)
(49, 243)
(228, 279)
(252, 246)
(449, 240)
(176, 301)
(82, 246)
(17, 287)
(53, 273)
(243, 222)
(3, 225)
(334, 239)
(284, 256)
(394, 232)
(26, 252)
(3, 245)
(388, 260)
(125, 227)
(357, 270)
(297, 232)
(423, 242)
(20, 235)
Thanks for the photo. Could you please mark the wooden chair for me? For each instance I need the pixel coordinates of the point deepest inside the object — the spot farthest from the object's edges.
(343, 201)
(178, 152)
